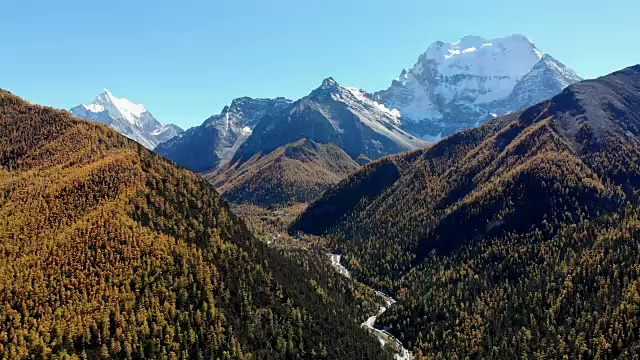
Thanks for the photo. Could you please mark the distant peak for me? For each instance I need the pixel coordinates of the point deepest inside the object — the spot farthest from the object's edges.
(329, 82)
(105, 96)
(241, 100)
(547, 60)
(117, 107)
(468, 41)
(547, 57)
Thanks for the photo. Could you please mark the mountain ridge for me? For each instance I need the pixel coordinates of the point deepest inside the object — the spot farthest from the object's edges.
(309, 145)
(334, 114)
(217, 139)
(294, 173)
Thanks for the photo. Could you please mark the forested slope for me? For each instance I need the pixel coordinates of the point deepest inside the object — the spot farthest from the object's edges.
(295, 173)
(109, 251)
(489, 238)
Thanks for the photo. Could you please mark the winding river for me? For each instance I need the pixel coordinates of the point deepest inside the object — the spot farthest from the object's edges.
(383, 336)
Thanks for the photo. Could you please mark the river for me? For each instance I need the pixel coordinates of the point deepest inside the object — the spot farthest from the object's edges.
(383, 336)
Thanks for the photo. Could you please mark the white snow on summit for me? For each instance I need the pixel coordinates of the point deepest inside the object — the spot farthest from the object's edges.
(363, 96)
(473, 69)
(117, 107)
(475, 55)
(456, 85)
(371, 113)
(130, 119)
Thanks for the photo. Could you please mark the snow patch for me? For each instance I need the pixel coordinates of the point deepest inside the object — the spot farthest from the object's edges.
(452, 53)
(360, 95)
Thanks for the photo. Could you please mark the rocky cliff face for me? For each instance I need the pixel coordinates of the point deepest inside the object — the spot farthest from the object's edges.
(332, 114)
(213, 143)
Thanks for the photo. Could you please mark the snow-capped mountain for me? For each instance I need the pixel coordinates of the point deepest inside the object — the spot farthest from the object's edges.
(213, 143)
(457, 85)
(127, 118)
(547, 78)
(332, 114)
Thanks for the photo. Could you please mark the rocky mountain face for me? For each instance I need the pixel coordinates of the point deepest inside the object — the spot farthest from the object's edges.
(547, 78)
(213, 143)
(296, 152)
(332, 114)
(458, 85)
(129, 119)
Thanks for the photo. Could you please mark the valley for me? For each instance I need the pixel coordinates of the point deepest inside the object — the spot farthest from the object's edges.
(281, 194)
(489, 240)
(385, 337)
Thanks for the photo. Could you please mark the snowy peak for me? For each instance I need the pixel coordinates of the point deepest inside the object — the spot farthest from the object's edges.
(249, 104)
(475, 55)
(456, 85)
(129, 119)
(547, 78)
(555, 69)
(329, 87)
(332, 113)
(117, 107)
(457, 77)
(329, 83)
(357, 100)
(244, 113)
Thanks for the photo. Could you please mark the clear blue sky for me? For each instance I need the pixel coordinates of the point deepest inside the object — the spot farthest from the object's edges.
(185, 60)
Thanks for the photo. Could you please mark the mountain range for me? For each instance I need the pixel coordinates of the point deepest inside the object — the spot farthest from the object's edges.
(333, 114)
(296, 153)
(297, 172)
(129, 119)
(453, 86)
(216, 141)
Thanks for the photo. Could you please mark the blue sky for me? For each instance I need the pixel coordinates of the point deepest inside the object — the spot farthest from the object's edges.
(185, 60)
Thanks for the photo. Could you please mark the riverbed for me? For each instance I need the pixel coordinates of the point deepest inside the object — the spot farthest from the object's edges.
(383, 336)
